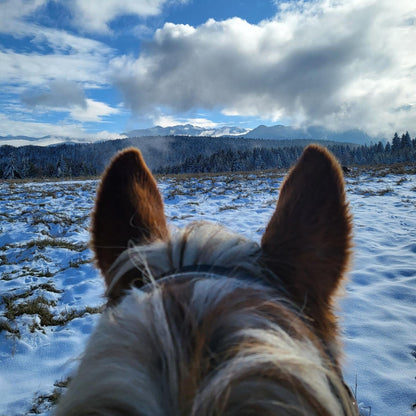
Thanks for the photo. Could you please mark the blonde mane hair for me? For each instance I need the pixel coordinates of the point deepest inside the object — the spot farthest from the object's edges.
(200, 243)
(201, 321)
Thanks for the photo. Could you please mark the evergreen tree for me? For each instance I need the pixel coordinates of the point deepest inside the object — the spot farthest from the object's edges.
(396, 143)
(11, 172)
(406, 142)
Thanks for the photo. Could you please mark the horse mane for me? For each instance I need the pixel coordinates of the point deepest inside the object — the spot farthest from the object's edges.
(164, 371)
(199, 244)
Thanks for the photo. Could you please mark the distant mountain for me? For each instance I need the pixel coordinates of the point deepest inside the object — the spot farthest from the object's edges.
(187, 130)
(18, 141)
(280, 132)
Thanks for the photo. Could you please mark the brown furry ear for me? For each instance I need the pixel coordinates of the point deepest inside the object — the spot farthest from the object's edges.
(128, 207)
(307, 241)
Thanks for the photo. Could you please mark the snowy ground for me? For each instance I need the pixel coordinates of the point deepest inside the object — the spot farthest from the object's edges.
(51, 294)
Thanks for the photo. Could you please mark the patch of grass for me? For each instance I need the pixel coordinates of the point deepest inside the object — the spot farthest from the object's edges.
(58, 218)
(408, 202)
(371, 192)
(39, 219)
(177, 192)
(227, 207)
(6, 216)
(242, 196)
(401, 180)
(384, 191)
(407, 168)
(45, 273)
(270, 203)
(68, 316)
(56, 243)
(7, 277)
(48, 287)
(180, 218)
(43, 402)
(75, 263)
(34, 326)
(49, 193)
(5, 326)
(10, 299)
(38, 306)
(47, 242)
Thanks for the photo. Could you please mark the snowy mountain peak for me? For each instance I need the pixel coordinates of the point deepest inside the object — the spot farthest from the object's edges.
(188, 130)
(277, 132)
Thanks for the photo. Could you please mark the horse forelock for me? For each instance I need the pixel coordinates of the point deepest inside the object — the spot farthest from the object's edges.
(204, 346)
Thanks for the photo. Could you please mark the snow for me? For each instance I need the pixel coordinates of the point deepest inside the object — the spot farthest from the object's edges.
(44, 255)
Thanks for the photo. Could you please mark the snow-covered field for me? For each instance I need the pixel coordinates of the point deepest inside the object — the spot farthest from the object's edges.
(51, 294)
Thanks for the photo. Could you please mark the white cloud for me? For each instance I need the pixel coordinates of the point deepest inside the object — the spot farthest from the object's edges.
(69, 57)
(61, 93)
(94, 111)
(31, 128)
(89, 15)
(66, 97)
(339, 63)
(12, 13)
(26, 70)
(95, 15)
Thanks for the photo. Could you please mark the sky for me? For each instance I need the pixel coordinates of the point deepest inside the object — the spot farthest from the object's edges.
(98, 68)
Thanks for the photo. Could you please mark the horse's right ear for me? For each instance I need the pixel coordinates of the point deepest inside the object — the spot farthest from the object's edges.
(128, 208)
(307, 241)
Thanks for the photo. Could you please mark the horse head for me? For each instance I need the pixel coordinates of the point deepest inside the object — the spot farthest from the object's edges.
(202, 321)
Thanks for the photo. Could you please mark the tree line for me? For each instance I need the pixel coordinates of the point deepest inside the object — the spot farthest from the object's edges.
(402, 149)
(190, 155)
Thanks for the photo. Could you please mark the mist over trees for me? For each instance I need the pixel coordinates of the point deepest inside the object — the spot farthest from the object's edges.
(173, 154)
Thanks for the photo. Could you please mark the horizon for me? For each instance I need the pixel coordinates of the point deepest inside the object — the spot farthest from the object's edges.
(96, 70)
(312, 133)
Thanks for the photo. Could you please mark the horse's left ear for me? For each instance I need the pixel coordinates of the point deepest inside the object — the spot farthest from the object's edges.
(307, 241)
(128, 208)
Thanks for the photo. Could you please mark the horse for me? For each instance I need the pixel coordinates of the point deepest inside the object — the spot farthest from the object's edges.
(201, 320)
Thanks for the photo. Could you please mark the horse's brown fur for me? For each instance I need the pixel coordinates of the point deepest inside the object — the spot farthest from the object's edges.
(128, 208)
(307, 242)
(260, 342)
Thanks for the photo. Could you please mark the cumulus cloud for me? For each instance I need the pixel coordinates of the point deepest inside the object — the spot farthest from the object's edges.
(95, 15)
(339, 63)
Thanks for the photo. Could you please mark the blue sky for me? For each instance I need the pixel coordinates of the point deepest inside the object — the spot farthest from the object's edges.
(98, 68)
